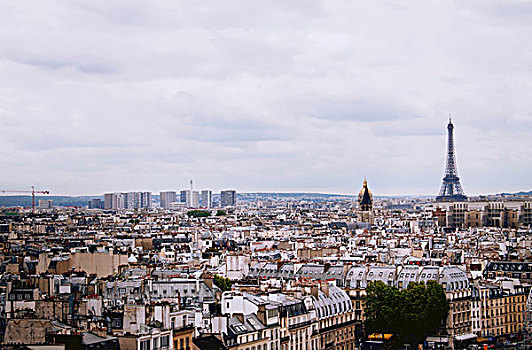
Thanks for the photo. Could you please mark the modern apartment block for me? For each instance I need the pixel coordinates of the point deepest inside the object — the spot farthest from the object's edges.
(114, 201)
(166, 198)
(206, 199)
(96, 203)
(45, 204)
(129, 200)
(191, 198)
(228, 198)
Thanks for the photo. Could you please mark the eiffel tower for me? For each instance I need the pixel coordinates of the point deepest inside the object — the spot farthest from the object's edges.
(451, 190)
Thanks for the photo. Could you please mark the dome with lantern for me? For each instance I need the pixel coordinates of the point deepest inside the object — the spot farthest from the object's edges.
(365, 198)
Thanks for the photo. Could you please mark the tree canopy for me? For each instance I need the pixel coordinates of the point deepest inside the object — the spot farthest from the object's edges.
(199, 213)
(411, 313)
(223, 283)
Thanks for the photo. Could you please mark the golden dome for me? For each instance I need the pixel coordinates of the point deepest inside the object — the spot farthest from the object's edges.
(365, 197)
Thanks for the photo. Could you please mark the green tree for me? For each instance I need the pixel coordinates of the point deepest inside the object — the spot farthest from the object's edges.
(223, 283)
(411, 314)
(438, 302)
(220, 212)
(382, 304)
(199, 213)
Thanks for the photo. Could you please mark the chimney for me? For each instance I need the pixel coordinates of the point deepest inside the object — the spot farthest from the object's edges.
(324, 286)
(314, 291)
(261, 314)
(326, 267)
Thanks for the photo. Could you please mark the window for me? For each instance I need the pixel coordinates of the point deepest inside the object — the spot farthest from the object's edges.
(145, 345)
(164, 341)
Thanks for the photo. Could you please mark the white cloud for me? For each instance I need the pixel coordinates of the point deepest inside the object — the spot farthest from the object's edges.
(100, 96)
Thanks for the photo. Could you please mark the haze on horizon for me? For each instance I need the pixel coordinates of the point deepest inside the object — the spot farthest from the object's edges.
(264, 96)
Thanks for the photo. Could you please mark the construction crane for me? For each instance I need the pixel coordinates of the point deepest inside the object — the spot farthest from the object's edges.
(33, 191)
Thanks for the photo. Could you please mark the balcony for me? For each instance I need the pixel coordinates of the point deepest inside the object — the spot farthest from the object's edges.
(299, 325)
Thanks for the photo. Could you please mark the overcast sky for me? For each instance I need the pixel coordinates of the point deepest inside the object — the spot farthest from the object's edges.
(100, 96)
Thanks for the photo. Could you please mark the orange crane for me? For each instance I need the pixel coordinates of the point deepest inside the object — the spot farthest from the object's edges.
(33, 191)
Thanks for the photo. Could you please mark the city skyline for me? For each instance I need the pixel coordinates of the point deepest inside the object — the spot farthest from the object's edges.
(264, 98)
(265, 175)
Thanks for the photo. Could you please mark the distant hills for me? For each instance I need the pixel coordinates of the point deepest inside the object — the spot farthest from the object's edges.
(82, 201)
(63, 201)
(522, 193)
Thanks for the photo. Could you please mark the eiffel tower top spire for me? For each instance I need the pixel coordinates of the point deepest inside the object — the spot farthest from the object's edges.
(451, 190)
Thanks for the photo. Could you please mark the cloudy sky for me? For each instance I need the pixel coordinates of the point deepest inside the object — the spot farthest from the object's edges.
(99, 96)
